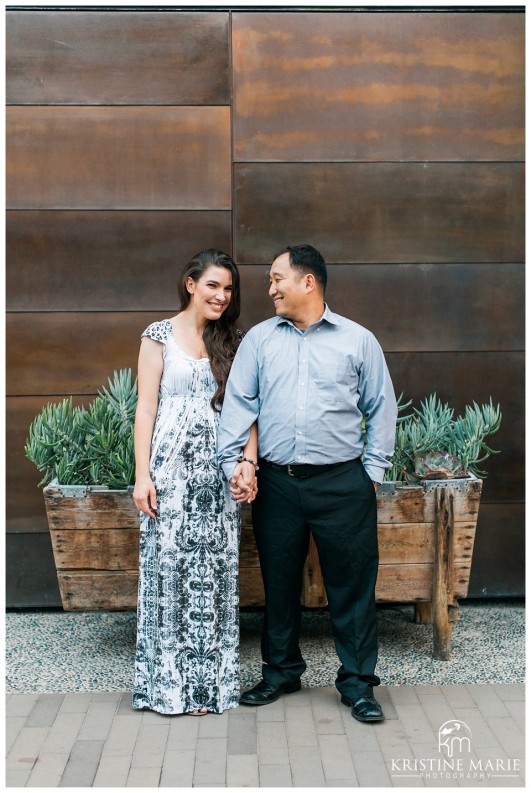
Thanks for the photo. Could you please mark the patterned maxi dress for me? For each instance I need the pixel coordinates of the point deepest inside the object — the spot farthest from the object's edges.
(187, 653)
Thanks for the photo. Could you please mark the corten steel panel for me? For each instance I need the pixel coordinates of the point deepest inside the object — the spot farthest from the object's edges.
(378, 86)
(416, 307)
(459, 378)
(121, 260)
(119, 57)
(24, 500)
(381, 212)
(31, 579)
(119, 158)
(498, 563)
(71, 353)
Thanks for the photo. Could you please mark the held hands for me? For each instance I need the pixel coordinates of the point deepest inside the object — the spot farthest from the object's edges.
(145, 496)
(243, 486)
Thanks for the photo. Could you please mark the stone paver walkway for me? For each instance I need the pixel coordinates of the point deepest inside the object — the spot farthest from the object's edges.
(307, 739)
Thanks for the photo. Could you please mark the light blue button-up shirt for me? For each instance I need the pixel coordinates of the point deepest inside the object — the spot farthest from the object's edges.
(309, 391)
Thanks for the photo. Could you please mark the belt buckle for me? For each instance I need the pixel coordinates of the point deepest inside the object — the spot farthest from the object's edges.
(290, 472)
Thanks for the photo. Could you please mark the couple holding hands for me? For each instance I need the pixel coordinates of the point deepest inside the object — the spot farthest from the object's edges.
(298, 417)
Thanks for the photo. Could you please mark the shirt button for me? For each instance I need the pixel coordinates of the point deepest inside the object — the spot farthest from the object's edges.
(301, 407)
(302, 383)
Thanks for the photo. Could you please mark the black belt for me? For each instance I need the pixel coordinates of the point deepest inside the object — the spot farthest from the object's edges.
(302, 470)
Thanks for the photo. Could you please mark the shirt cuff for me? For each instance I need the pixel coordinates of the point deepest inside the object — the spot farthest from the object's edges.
(376, 474)
(228, 469)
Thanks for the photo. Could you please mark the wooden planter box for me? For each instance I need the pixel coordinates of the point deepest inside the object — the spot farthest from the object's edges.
(425, 535)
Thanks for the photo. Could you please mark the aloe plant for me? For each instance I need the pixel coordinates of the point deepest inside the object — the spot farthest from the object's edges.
(94, 446)
(432, 444)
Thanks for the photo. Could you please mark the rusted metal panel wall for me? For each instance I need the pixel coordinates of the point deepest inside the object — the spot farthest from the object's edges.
(392, 141)
(119, 152)
(118, 58)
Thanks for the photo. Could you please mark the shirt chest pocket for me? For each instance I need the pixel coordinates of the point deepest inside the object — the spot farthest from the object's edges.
(336, 379)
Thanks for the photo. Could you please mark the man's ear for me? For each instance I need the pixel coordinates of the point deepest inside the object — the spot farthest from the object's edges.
(310, 282)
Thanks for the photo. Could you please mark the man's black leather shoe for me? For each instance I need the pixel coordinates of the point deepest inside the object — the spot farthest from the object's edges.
(364, 708)
(265, 693)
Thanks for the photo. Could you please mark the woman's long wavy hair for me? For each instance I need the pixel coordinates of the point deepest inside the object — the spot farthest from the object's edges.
(221, 336)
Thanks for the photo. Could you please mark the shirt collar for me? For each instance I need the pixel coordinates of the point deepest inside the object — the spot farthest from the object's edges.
(327, 316)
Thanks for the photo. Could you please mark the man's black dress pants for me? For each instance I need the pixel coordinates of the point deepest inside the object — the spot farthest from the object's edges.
(338, 506)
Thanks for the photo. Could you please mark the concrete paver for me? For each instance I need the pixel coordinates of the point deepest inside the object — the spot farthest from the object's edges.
(210, 761)
(178, 768)
(307, 739)
(275, 775)
(45, 710)
(112, 771)
(143, 777)
(48, 770)
(306, 767)
(242, 734)
(242, 770)
(272, 743)
(82, 765)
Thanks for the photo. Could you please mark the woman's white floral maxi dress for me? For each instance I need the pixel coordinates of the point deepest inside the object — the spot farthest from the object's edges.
(187, 654)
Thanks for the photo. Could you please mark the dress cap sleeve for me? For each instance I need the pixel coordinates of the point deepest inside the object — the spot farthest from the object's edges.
(158, 331)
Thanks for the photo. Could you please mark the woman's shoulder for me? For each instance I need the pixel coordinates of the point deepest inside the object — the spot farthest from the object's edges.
(158, 331)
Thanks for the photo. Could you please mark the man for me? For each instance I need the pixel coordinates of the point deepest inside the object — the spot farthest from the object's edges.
(309, 377)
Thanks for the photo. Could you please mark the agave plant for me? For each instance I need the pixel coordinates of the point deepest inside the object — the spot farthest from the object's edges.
(432, 444)
(94, 446)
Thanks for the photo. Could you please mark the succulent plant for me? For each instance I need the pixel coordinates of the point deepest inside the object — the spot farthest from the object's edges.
(432, 444)
(94, 446)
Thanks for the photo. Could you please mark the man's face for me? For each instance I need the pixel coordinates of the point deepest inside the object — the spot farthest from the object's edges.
(287, 288)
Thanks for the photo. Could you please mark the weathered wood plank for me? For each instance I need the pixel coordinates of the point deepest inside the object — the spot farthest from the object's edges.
(412, 504)
(313, 593)
(118, 158)
(443, 573)
(117, 57)
(248, 552)
(108, 549)
(251, 587)
(423, 613)
(406, 583)
(110, 509)
(96, 590)
(411, 543)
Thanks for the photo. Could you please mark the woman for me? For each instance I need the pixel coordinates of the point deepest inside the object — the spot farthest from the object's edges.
(187, 643)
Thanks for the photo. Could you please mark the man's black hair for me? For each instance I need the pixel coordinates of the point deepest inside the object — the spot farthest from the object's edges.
(307, 259)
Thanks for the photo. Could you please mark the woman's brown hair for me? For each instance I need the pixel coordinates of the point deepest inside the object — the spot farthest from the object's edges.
(221, 336)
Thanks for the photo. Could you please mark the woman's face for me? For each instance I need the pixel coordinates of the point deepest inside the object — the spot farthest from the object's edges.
(211, 294)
